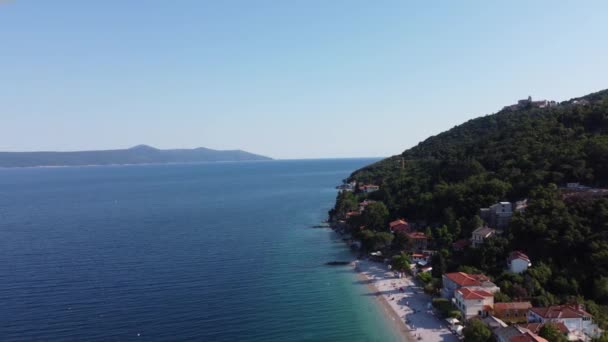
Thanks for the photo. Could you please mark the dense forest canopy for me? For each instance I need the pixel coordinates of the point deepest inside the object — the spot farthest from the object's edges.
(528, 153)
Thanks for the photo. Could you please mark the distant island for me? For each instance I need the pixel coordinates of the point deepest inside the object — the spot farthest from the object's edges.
(140, 154)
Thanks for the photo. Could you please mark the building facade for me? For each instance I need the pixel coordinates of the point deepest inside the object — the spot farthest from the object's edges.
(473, 302)
(518, 262)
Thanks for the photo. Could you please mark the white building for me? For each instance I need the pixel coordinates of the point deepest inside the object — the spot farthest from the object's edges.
(473, 302)
(575, 318)
(480, 235)
(498, 215)
(518, 262)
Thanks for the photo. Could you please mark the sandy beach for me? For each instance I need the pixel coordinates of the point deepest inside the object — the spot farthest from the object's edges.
(408, 308)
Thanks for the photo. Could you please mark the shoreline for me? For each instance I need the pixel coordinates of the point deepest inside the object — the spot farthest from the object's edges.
(402, 303)
(390, 314)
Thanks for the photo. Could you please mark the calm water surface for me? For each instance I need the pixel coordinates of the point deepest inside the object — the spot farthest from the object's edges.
(209, 252)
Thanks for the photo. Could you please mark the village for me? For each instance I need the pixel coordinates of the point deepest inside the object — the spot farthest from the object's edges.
(462, 298)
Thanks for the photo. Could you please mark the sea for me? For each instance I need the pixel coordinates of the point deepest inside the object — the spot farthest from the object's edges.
(190, 252)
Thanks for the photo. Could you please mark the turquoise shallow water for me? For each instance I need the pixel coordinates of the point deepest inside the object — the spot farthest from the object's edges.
(209, 252)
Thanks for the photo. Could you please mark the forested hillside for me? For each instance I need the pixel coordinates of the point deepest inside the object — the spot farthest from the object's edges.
(528, 153)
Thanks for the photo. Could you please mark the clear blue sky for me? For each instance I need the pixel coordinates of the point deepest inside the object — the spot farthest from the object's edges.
(288, 79)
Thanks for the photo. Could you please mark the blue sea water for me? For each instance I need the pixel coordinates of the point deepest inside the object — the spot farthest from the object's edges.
(206, 252)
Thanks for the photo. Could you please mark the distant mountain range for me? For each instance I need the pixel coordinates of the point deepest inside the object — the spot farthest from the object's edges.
(141, 154)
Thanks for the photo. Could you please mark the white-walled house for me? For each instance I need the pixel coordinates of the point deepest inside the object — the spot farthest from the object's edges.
(518, 262)
(574, 317)
(473, 302)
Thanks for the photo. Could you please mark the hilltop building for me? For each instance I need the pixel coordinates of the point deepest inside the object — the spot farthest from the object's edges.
(529, 103)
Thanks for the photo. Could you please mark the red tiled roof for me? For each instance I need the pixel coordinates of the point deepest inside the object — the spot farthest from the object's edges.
(462, 243)
(528, 337)
(474, 294)
(518, 255)
(397, 223)
(417, 236)
(535, 327)
(561, 311)
(464, 279)
(399, 226)
(512, 306)
(352, 213)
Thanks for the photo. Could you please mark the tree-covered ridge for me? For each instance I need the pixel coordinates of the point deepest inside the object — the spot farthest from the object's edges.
(440, 185)
(496, 157)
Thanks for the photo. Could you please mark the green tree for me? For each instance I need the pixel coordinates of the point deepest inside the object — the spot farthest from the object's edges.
(345, 202)
(367, 240)
(603, 338)
(477, 331)
(425, 277)
(600, 289)
(375, 217)
(439, 263)
(383, 239)
(552, 333)
(401, 262)
(501, 297)
(402, 241)
(372, 241)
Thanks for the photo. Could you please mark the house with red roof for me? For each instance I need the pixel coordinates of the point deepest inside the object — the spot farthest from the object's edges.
(578, 321)
(535, 327)
(516, 333)
(352, 213)
(456, 280)
(527, 337)
(518, 262)
(399, 226)
(419, 240)
(420, 258)
(473, 302)
(513, 312)
(368, 188)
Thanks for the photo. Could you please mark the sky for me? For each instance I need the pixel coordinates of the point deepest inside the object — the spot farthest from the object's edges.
(283, 78)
